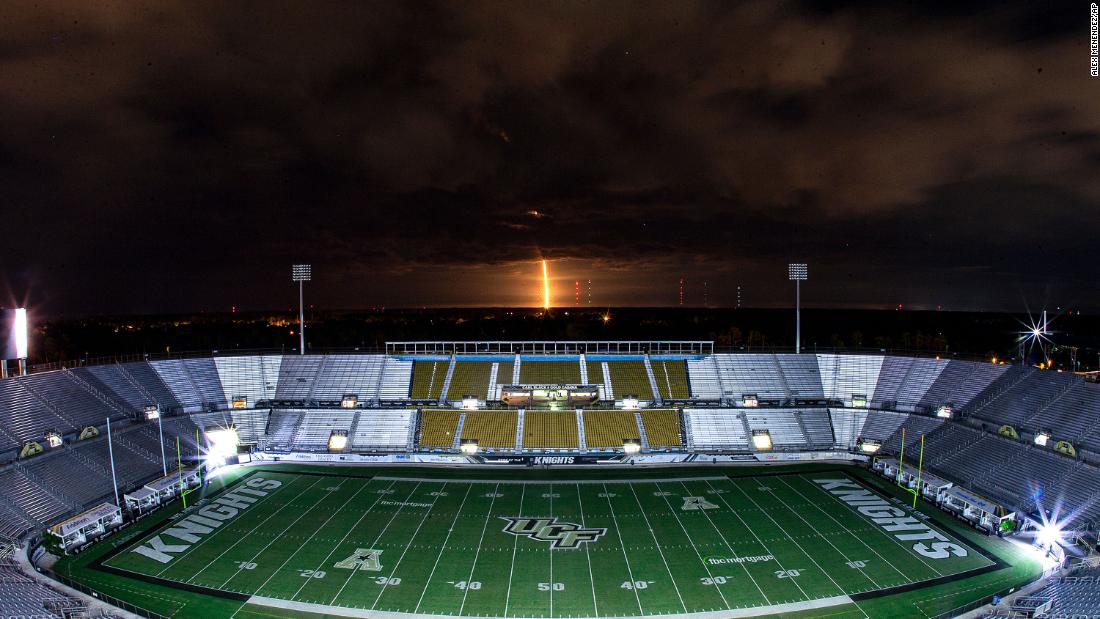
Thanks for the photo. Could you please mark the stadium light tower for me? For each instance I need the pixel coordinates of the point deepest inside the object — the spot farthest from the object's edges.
(301, 273)
(797, 272)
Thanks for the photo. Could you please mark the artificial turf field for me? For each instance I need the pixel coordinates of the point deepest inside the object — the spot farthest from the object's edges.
(719, 541)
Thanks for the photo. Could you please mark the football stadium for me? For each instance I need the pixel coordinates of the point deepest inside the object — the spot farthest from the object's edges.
(549, 479)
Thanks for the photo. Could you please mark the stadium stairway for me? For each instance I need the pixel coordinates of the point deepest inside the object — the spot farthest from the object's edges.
(444, 390)
(652, 381)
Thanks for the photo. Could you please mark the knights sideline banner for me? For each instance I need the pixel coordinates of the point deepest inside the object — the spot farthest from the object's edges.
(548, 460)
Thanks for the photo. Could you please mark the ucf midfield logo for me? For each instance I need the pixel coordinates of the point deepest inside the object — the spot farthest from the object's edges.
(558, 534)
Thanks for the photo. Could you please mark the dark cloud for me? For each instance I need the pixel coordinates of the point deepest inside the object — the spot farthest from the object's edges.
(179, 155)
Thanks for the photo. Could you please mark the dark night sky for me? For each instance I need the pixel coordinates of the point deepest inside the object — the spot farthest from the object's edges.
(171, 156)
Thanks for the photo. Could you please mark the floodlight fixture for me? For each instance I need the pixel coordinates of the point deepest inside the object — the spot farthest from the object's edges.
(53, 439)
(761, 439)
(945, 412)
(632, 446)
(21, 346)
(1049, 535)
(468, 446)
(1042, 438)
(152, 412)
(630, 402)
(869, 446)
(338, 440)
(301, 273)
(469, 402)
(223, 444)
(798, 272)
(350, 400)
(749, 400)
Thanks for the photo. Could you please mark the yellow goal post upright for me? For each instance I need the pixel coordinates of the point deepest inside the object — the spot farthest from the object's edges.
(920, 467)
(179, 467)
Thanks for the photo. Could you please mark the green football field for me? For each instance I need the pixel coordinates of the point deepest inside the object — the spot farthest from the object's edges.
(285, 542)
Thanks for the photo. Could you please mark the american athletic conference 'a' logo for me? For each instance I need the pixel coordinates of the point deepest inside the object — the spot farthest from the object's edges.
(559, 534)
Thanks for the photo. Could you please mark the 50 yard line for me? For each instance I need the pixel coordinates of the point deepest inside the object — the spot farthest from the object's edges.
(515, 544)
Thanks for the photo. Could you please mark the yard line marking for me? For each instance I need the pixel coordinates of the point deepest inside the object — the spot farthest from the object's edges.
(376, 539)
(659, 551)
(244, 537)
(477, 553)
(721, 498)
(343, 539)
(841, 523)
(442, 547)
(551, 553)
(593, 482)
(515, 544)
(253, 530)
(362, 613)
(693, 547)
(275, 539)
(411, 540)
(622, 546)
(824, 537)
(587, 554)
(729, 546)
(883, 533)
(796, 543)
(315, 532)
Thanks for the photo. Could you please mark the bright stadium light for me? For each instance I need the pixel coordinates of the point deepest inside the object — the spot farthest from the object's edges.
(469, 402)
(21, 346)
(223, 444)
(797, 272)
(1049, 535)
(761, 439)
(869, 446)
(301, 273)
(630, 402)
(1041, 439)
(338, 440)
(1036, 334)
(944, 412)
(468, 446)
(632, 446)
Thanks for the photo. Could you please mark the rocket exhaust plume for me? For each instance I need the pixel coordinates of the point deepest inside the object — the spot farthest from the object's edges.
(545, 286)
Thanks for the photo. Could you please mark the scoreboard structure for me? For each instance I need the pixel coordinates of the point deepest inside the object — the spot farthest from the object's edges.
(548, 395)
(14, 343)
